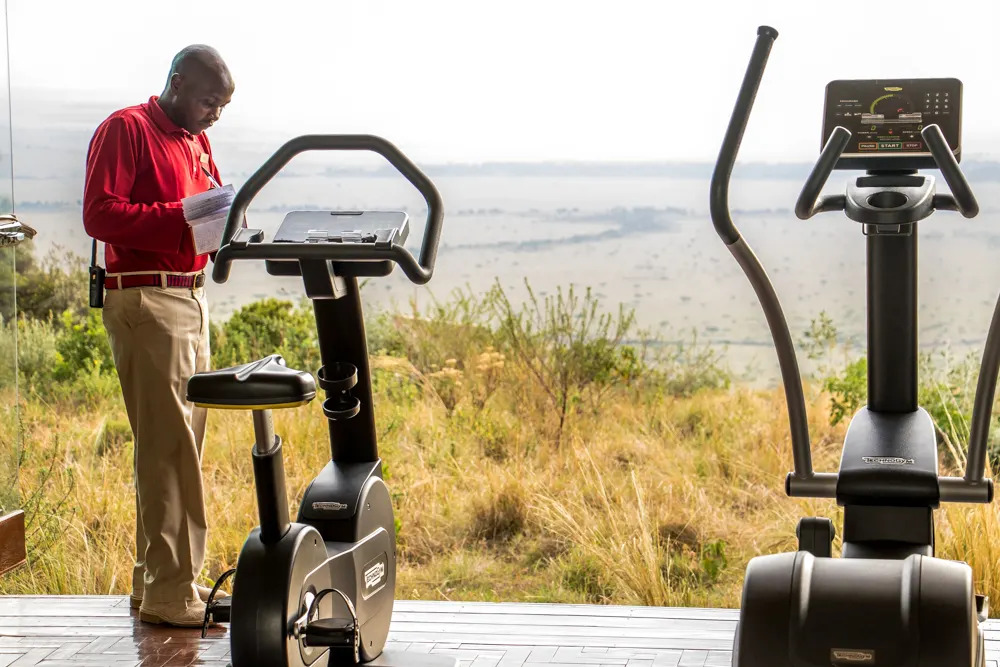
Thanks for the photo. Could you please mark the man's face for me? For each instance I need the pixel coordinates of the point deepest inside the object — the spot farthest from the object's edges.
(200, 100)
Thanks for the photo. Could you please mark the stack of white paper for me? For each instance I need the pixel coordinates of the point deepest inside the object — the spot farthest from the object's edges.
(206, 212)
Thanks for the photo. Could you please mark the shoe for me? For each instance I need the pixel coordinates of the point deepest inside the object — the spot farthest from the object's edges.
(183, 614)
(203, 592)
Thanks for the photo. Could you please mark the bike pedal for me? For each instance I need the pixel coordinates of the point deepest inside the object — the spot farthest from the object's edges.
(982, 608)
(331, 632)
(217, 611)
(220, 610)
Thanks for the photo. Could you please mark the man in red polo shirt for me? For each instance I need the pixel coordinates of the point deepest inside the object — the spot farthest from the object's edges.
(142, 161)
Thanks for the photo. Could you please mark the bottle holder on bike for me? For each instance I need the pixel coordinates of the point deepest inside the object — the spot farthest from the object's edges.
(333, 633)
(217, 610)
(338, 379)
(341, 407)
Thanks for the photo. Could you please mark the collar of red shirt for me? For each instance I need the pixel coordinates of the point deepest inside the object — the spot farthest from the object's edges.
(161, 118)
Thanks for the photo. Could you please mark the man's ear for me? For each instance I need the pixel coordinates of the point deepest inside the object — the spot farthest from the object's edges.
(176, 80)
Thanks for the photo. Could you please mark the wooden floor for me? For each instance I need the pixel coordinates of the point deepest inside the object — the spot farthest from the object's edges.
(82, 631)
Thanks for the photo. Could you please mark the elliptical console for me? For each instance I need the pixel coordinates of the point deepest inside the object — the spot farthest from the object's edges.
(887, 600)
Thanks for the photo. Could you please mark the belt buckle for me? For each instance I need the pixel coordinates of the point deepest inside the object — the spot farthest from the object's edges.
(199, 280)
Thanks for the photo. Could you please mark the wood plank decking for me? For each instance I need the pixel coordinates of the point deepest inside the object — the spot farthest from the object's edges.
(54, 631)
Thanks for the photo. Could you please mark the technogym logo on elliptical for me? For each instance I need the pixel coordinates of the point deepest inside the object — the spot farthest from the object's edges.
(888, 460)
(851, 656)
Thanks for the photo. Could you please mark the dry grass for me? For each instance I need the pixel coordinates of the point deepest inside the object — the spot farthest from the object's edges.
(653, 500)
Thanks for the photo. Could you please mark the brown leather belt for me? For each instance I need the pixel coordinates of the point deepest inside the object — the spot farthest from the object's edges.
(186, 281)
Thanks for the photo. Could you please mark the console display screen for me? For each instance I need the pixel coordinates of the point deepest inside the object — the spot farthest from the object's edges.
(885, 117)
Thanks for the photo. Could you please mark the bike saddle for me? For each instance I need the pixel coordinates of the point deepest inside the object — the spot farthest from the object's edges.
(265, 384)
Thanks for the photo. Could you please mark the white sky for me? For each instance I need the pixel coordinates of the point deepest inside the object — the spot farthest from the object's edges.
(472, 81)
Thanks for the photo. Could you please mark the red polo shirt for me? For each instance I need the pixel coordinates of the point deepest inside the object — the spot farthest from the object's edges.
(139, 166)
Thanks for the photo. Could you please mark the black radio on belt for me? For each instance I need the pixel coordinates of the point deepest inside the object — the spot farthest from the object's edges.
(96, 280)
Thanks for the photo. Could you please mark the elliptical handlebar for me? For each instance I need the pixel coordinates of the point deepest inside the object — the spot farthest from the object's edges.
(961, 199)
(719, 195)
(418, 271)
(810, 203)
(964, 201)
(719, 206)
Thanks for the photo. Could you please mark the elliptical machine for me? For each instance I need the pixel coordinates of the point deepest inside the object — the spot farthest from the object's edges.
(887, 600)
(319, 591)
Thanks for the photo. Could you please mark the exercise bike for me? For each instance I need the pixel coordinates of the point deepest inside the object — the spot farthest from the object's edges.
(318, 591)
(887, 600)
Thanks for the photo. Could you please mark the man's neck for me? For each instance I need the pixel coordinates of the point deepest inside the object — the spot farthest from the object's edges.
(166, 102)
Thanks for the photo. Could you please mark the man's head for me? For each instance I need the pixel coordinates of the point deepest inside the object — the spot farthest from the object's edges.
(198, 88)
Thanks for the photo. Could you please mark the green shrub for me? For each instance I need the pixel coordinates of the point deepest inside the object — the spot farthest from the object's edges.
(7, 354)
(582, 573)
(269, 326)
(66, 358)
(946, 390)
(396, 386)
(848, 390)
(111, 436)
(574, 352)
(685, 368)
(843, 378)
(37, 353)
(713, 560)
(384, 337)
(82, 346)
(457, 329)
(50, 287)
(87, 388)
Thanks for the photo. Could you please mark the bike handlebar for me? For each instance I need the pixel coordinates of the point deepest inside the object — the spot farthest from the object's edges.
(418, 271)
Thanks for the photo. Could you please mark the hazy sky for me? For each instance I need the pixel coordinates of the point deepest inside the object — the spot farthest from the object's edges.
(461, 80)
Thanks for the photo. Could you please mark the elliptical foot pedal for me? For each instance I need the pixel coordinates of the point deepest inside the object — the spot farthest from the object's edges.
(816, 536)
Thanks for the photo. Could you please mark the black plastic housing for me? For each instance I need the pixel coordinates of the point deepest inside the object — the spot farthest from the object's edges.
(800, 610)
(889, 459)
(331, 500)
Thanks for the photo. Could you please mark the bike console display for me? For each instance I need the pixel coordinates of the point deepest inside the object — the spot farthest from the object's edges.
(378, 227)
(885, 118)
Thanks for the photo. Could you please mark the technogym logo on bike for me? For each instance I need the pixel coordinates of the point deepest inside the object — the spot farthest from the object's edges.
(851, 656)
(376, 572)
(887, 460)
(329, 505)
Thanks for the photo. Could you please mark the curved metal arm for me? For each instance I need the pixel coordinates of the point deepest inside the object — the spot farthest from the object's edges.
(944, 203)
(982, 408)
(744, 255)
(946, 162)
(809, 202)
(719, 196)
(418, 271)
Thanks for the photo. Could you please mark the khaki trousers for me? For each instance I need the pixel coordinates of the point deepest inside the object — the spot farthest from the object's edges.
(159, 338)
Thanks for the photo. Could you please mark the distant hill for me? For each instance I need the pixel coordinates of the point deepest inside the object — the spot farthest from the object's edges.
(59, 152)
(701, 171)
